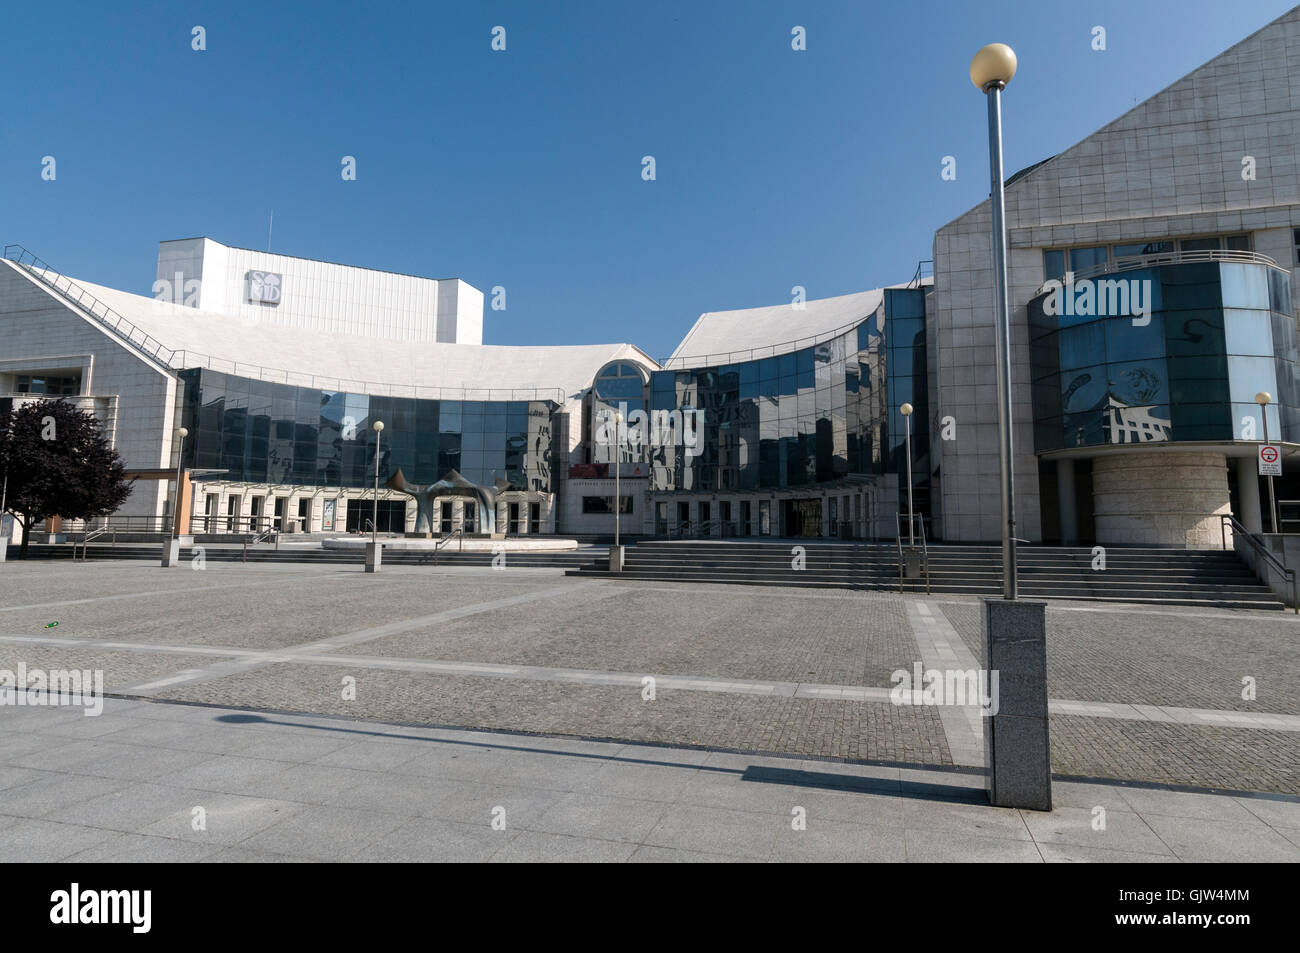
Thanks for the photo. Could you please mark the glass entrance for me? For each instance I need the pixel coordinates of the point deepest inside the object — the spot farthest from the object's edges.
(802, 517)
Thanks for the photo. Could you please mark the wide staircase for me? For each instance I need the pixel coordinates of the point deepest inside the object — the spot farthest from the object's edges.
(1143, 575)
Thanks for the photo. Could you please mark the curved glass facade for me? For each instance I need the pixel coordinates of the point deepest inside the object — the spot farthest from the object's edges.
(812, 416)
(1169, 353)
(280, 434)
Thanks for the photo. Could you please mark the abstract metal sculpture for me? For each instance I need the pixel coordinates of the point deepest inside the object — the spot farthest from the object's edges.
(451, 484)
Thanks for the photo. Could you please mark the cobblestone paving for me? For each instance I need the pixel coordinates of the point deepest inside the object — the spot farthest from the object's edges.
(1192, 659)
(794, 635)
(1150, 658)
(794, 726)
(1226, 758)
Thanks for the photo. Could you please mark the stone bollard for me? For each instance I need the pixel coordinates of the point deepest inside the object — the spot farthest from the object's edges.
(1016, 737)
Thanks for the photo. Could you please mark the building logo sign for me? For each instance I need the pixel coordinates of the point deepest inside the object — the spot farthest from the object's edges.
(265, 287)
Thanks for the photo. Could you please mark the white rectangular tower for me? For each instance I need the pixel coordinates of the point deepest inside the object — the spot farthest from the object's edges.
(304, 293)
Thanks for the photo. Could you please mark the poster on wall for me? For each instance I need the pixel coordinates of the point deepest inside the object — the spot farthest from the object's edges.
(327, 519)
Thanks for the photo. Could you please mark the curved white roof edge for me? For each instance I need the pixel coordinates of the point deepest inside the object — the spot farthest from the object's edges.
(723, 332)
(266, 350)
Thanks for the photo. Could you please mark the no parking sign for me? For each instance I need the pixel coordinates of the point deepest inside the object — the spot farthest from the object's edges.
(1270, 460)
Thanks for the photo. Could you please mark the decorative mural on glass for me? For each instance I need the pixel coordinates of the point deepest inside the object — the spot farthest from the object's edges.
(1179, 356)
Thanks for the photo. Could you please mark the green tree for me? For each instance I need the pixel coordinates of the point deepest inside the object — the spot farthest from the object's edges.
(55, 461)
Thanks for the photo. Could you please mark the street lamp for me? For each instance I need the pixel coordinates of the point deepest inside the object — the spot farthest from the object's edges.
(182, 433)
(991, 70)
(906, 411)
(618, 453)
(378, 426)
(1264, 398)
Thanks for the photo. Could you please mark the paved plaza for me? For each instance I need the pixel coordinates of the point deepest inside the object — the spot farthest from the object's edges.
(319, 712)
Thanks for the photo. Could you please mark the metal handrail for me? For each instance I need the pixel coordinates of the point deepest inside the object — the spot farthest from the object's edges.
(183, 359)
(87, 537)
(265, 534)
(446, 541)
(1239, 531)
(1131, 262)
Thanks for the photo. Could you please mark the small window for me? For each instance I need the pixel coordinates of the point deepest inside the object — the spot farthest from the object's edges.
(1143, 248)
(1295, 237)
(1081, 259)
(605, 504)
(1053, 264)
(1237, 242)
(1200, 244)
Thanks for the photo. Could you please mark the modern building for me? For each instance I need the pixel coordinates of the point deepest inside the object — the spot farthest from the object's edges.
(1153, 289)
(1133, 431)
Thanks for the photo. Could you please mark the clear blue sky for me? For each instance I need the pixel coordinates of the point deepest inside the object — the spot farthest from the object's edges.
(523, 169)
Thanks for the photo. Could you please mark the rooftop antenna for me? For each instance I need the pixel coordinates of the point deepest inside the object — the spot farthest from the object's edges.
(268, 230)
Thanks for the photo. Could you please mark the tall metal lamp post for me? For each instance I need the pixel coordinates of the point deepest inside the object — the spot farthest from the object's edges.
(616, 551)
(181, 433)
(906, 411)
(1264, 398)
(618, 455)
(991, 70)
(375, 555)
(374, 518)
(171, 554)
(1015, 632)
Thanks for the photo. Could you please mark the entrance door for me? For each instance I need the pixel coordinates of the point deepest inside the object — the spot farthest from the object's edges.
(304, 516)
(802, 517)
(534, 517)
(470, 522)
(444, 517)
(683, 518)
(512, 522)
(661, 519)
(724, 517)
(744, 517)
(232, 514)
(279, 514)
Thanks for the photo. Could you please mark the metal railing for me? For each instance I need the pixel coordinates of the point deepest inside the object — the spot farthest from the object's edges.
(443, 542)
(95, 534)
(1131, 262)
(120, 524)
(183, 359)
(259, 538)
(1226, 521)
(216, 524)
(915, 520)
(699, 530)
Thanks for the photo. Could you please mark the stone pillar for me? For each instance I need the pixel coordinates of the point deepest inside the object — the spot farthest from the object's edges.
(1151, 497)
(1248, 495)
(1016, 725)
(1066, 502)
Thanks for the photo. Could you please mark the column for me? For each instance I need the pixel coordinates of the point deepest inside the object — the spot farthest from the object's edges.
(1248, 506)
(1066, 502)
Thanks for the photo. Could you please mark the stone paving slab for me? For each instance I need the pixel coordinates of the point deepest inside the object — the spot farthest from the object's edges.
(529, 799)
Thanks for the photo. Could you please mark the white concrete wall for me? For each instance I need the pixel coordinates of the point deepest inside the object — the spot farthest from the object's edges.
(36, 326)
(323, 296)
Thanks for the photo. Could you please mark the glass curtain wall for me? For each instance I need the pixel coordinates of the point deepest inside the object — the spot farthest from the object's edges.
(276, 433)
